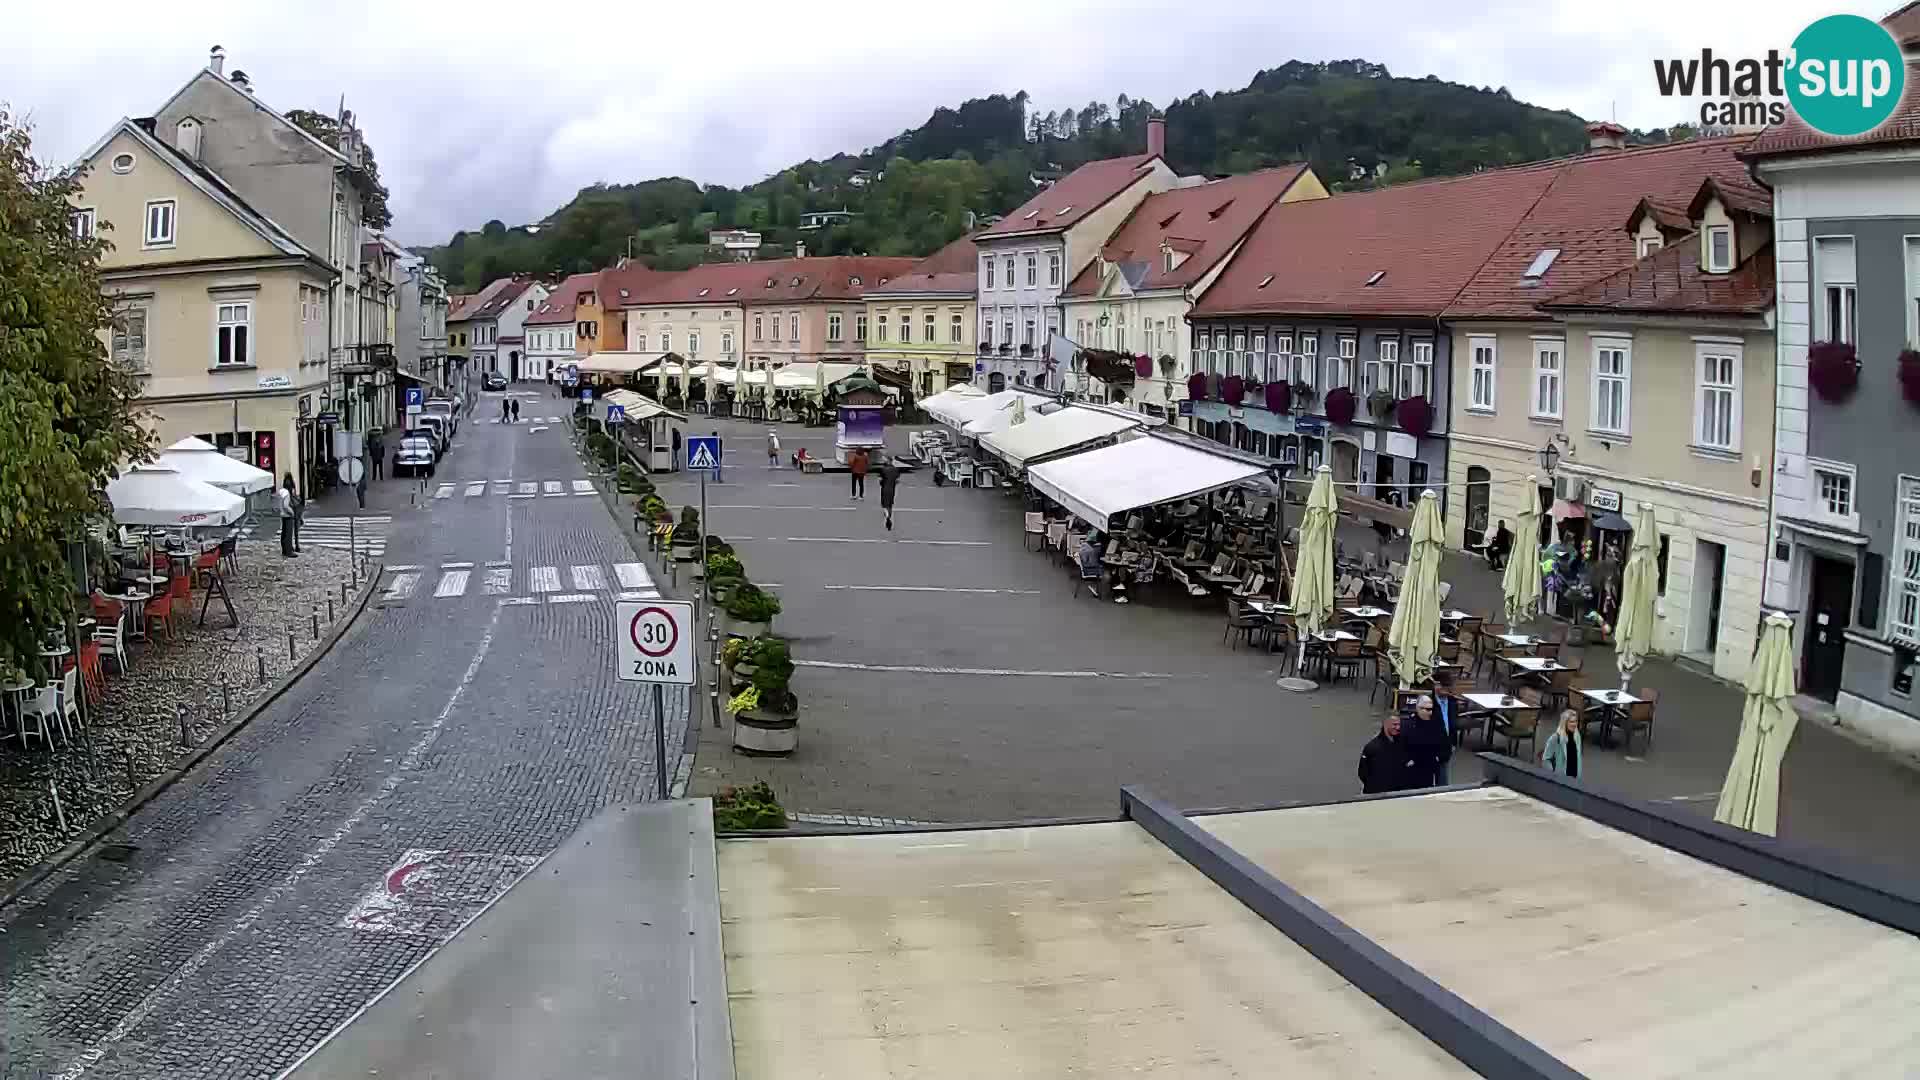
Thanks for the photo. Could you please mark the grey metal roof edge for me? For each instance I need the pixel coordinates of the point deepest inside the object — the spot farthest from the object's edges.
(1871, 892)
(1477, 1040)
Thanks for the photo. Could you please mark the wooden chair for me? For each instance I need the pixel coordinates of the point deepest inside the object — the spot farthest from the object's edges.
(1035, 528)
(1486, 642)
(1640, 717)
(1241, 624)
(1517, 724)
(1344, 656)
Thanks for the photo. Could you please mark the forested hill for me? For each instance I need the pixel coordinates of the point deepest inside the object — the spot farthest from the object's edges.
(913, 193)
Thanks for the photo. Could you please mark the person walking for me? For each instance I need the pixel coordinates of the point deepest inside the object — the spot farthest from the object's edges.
(283, 505)
(299, 514)
(504, 410)
(376, 454)
(1431, 739)
(889, 484)
(360, 486)
(857, 469)
(516, 410)
(773, 449)
(1386, 762)
(1561, 754)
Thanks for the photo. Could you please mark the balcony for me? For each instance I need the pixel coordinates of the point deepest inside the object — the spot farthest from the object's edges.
(367, 359)
(1006, 350)
(1026, 352)
(986, 349)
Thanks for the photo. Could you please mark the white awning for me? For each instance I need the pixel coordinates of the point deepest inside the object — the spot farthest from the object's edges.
(145, 495)
(211, 466)
(941, 405)
(962, 413)
(1141, 472)
(639, 406)
(619, 363)
(1055, 433)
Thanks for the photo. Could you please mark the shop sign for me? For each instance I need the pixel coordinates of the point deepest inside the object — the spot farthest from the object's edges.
(306, 405)
(1186, 407)
(1603, 499)
(274, 382)
(1401, 445)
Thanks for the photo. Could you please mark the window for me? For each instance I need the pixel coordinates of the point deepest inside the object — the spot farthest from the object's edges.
(757, 329)
(1033, 270)
(1833, 493)
(988, 264)
(1380, 371)
(1007, 266)
(986, 332)
(793, 324)
(1612, 384)
(1120, 336)
(1306, 362)
(1053, 268)
(1541, 263)
(693, 342)
(1833, 262)
(1279, 363)
(954, 331)
(1484, 357)
(1904, 604)
(122, 163)
(726, 343)
(232, 346)
(1416, 379)
(1028, 339)
(1006, 327)
(928, 325)
(640, 343)
(776, 327)
(1717, 397)
(1646, 246)
(859, 328)
(1913, 292)
(83, 224)
(130, 340)
(833, 326)
(160, 223)
(1547, 360)
(906, 326)
(1343, 362)
(666, 341)
(1720, 249)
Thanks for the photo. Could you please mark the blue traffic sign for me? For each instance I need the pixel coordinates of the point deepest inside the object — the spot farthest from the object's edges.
(703, 452)
(586, 394)
(416, 395)
(616, 414)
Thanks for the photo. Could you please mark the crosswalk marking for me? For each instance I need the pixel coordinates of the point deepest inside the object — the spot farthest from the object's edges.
(501, 487)
(587, 578)
(553, 488)
(639, 594)
(367, 533)
(528, 490)
(572, 598)
(452, 583)
(456, 566)
(498, 581)
(583, 487)
(632, 575)
(545, 579)
(476, 487)
(401, 586)
(444, 491)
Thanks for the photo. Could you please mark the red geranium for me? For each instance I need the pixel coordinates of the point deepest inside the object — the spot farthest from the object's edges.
(1143, 366)
(1833, 369)
(1415, 415)
(1910, 376)
(1279, 396)
(1340, 405)
(1197, 386)
(1232, 389)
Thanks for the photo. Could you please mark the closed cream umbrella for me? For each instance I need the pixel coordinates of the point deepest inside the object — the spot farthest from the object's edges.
(1750, 799)
(1313, 575)
(1414, 638)
(1520, 584)
(1639, 585)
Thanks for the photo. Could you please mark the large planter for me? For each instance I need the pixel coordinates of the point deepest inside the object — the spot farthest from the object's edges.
(1279, 396)
(742, 676)
(1232, 389)
(1833, 370)
(748, 630)
(1197, 386)
(1340, 405)
(1415, 415)
(757, 731)
(1909, 364)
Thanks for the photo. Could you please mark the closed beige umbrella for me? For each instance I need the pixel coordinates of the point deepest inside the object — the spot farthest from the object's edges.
(1414, 638)
(1520, 584)
(1639, 588)
(1750, 799)
(1313, 576)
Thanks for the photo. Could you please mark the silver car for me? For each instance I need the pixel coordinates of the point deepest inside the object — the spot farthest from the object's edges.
(415, 456)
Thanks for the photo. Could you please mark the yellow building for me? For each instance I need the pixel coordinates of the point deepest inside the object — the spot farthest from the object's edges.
(222, 312)
(921, 327)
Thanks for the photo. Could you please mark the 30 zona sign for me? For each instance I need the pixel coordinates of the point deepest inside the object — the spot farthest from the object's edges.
(656, 641)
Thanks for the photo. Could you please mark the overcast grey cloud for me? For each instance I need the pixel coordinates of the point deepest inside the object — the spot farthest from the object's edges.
(486, 110)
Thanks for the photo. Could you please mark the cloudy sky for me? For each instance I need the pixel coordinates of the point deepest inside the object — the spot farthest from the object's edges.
(481, 110)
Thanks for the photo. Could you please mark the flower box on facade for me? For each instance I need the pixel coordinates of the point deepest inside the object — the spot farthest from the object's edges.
(1340, 405)
(1833, 370)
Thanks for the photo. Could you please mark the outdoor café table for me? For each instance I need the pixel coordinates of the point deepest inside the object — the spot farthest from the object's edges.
(1614, 702)
(1521, 640)
(1366, 612)
(1535, 665)
(136, 610)
(1490, 704)
(1269, 607)
(16, 706)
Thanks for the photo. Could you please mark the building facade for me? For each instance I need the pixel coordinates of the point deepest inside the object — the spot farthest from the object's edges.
(920, 326)
(812, 310)
(421, 344)
(552, 331)
(1845, 558)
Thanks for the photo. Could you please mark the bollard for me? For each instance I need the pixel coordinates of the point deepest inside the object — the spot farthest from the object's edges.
(59, 814)
(329, 611)
(343, 598)
(260, 657)
(133, 783)
(316, 622)
(289, 644)
(226, 697)
(180, 714)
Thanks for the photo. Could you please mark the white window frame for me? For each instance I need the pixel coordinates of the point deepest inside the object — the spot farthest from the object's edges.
(1033, 269)
(1053, 268)
(1006, 267)
(880, 326)
(860, 327)
(1416, 375)
(1306, 362)
(906, 326)
(1537, 405)
(1818, 508)
(930, 327)
(986, 331)
(693, 343)
(1346, 352)
(1483, 372)
(640, 342)
(1280, 359)
(1732, 351)
(1380, 370)
(1028, 330)
(988, 267)
(1913, 291)
(1647, 245)
(956, 329)
(221, 322)
(666, 341)
(726, 343)
(1605, 382)
(85, 221)
(835, 326)
(793, 324)
(123, 338)
(759, 327)
(1715, 264)
(1836, 290)
(154, 238)
(1903, 579)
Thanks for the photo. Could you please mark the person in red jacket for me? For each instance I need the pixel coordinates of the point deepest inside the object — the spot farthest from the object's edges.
(857, 468)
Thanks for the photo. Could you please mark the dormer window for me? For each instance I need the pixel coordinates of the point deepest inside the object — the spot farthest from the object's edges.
(795, 283)
(704, 292)
(623, 294)
(1719, 241)
(769, 283)
(855, 279)
(1647, 246)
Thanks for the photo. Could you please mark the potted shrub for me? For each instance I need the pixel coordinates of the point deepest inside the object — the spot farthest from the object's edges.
(1415, 416)
(686, 535)
(766, 714)
(1833, 369)
(753, 807)
(750, 610)
(1143, 366)
(1910, 376)
(1232, 389)
(1340, 405)
(1167, 365)
(732, 651)
(1380, 403)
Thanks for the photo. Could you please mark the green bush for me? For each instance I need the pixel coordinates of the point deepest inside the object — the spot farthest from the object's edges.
(690, 519)
(598, 445)
(773, 671)
(723, 564)
(733, 650)
(752, 807)
(750, 603)
(632, 480)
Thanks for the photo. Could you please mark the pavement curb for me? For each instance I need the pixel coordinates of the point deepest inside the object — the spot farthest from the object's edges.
(94, 833)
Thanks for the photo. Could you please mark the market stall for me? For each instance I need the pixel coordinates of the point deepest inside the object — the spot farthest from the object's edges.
(650, 429)
(1141, 472)
(1056, 434)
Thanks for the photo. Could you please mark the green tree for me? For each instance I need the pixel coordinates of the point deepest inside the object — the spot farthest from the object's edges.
(66, 414)
(373, 194)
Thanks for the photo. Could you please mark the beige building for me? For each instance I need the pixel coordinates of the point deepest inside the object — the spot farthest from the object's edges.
(812, 310)
(920, 325)
(1651, 385)
(222, 312)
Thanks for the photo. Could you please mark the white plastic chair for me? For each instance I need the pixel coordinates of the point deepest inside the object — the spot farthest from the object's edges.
(1446, 590)
(1036, 525)
(39, 714)
(113, 642)
(70, 702)
(1057, 537)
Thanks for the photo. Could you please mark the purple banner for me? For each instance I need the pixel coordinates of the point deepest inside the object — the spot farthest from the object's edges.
(861, 427)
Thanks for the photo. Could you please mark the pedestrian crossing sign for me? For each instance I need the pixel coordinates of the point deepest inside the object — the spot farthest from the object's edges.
(616, 414)
(703, 452)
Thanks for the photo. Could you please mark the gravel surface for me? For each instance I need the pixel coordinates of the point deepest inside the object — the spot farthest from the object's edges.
(135, 728)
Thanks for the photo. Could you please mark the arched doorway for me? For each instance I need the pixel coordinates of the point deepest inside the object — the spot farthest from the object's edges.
(1346, 461)
(996, 382)
(1479, 489)
(513, 365)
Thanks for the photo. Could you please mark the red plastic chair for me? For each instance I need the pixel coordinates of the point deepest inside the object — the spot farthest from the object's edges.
(160, 610)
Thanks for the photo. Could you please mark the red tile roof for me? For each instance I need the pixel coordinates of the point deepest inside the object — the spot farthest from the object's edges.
(618, 285)
(1205, 221)
(557, 309)
(1670, 282)
(774, 281)
(457, 305)
(1904, 25)
(953, 269)
(491, 306)
(1076, 195)
(1316, 256)
(482, 299)
(1793, 136)
(1580, 214)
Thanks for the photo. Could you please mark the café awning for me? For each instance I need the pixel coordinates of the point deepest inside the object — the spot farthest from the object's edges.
(161, 497)
(941, 406)
(1055, 434)
(1141, 472)
(619, 363)
(197, 459)
(639, 406)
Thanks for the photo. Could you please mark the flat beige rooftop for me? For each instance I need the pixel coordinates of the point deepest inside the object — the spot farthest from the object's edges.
(1618, 956)
(1073, 951)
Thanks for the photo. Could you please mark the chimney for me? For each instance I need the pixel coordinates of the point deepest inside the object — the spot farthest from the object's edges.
(1605, 135)
(1157, 136)
(217, 61)
(240, 80)
(799, 249)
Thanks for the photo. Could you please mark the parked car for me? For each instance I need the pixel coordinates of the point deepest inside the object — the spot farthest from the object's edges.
(493, 380)
(437, 427)
(416, 455)
(448, 410)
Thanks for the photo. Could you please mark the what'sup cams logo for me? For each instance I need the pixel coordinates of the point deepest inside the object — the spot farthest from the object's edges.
(1844, 76)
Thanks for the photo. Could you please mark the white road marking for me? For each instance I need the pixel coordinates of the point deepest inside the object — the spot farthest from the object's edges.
(498, 581)
(456, 566)
(571, 598)
(536, 428)
(583, 487)
(552, 488)
(407, 566)
(639, 594)
(528, 489)
(519, 601)
(444, 491)
(632, 575)
(501, 487)
(452, 583)
(825, 509)
(588, 578)
(401, 586)
(867, 540)
(1701, 797)
(496, 563)
(408, 762)
(476, 487)
(545, 579)
(931, 588)
(918, 669)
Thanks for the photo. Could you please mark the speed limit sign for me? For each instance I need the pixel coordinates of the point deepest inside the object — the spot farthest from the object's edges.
(656, 641)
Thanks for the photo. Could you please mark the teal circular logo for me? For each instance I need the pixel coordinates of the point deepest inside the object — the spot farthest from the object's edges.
(1847, 75)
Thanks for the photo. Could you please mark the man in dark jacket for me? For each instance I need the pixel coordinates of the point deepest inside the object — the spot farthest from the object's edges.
(889, 483)
(1500, 546)
(1431, 741)
(1386, 762)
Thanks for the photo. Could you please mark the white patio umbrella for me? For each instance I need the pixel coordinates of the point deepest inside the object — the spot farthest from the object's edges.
(1638, 596)
(1750, 798)
(211, 466)
(157, 497)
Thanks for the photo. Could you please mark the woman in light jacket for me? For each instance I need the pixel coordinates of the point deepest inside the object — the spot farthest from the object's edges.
(1562, 753)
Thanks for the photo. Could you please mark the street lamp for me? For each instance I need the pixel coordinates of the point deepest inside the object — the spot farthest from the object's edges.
(1549, 456)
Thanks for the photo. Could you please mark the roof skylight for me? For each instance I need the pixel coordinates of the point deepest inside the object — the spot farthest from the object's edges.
(1538, 267)
(1375, 279)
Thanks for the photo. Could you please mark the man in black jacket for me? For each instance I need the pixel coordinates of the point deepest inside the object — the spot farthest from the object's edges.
(1430, 738)
(1386, 762)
